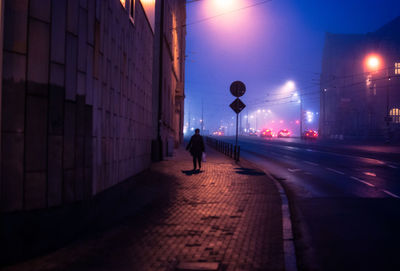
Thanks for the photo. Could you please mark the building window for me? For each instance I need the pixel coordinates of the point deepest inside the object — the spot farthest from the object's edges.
(395, 114)
(132, 9)
(123, 2)
(397, 68)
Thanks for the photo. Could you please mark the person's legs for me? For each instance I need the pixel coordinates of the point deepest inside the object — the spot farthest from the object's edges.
(199, 156)
(194, 162)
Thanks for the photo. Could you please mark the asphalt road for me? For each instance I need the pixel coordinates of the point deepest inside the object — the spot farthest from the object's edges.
(345, 200)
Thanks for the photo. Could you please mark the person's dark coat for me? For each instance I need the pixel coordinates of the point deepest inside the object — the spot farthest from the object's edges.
(196, 145)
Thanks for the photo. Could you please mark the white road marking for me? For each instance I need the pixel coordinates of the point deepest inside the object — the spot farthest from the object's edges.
(309, 150)
(362, 181)
(391, 194)
(370, 174)
(294, 169)
(334, 170)
(391, 166)
(311, 163)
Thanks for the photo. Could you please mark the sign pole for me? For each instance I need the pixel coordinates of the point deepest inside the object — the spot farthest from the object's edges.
(237, 125)
(237, 89)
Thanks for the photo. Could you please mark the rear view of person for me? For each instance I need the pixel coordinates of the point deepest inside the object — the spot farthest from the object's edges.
(196, 148)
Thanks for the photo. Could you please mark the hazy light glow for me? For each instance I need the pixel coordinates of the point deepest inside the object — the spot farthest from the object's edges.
(225, 5)
(290, 85)
(373, 62)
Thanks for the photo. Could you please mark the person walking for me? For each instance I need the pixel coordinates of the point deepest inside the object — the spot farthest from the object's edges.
(196, 148)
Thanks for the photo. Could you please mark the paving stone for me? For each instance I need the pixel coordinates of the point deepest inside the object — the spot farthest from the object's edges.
(216, 219)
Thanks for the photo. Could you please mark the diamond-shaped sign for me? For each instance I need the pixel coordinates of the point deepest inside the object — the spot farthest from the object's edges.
(237, 105)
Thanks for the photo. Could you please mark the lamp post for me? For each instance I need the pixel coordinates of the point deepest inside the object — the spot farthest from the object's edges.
(373, 62)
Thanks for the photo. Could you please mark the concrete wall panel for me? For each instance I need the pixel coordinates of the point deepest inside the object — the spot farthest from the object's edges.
(16, 26)
(38, 57)
(58, 27)
(36, 134)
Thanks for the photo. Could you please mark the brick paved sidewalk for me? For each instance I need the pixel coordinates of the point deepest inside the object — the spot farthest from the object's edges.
(228, 216)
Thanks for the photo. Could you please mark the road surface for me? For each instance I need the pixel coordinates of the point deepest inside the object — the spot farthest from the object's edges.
(345, 200)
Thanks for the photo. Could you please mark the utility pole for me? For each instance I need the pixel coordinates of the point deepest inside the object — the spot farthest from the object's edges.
(202, 116)
(388, 118)
(189, 115)
(301, 114)
(247, 121)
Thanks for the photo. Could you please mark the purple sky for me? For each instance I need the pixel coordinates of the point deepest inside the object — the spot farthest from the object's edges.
(265, 46)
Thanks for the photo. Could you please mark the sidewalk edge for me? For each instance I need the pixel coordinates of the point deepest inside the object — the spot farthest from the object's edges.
(287, 229)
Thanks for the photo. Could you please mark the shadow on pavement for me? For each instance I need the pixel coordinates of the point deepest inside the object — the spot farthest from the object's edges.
(249, 171)
(191, 172)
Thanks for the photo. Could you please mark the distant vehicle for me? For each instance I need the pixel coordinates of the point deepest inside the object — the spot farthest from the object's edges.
(252, 133)
(266, 133)
(284, 133)
(219, 133)
(310, 134)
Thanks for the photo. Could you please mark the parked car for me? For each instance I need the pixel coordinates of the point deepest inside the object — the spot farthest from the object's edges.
(266, 133)
(284, 133)
(310, 134)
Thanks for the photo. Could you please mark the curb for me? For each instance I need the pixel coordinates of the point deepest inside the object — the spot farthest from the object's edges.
(289, 250)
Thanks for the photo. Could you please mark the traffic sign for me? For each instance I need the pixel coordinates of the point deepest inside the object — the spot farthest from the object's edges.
(237, 105)
(238, 88)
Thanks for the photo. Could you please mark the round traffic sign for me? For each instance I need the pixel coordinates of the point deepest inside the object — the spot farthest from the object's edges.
(238, 88)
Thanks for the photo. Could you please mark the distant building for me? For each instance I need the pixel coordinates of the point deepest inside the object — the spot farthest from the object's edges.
(360, 85)
(80, 95)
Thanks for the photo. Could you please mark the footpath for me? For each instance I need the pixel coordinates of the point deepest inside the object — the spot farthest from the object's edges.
(225, 217)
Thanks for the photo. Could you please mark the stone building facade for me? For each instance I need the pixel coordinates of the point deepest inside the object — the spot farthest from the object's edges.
(77, 111)
(357, 102)
(170, 63)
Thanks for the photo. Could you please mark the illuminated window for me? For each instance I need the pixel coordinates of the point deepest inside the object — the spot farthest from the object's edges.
(123, 2)
(397, 68)
(395, 114)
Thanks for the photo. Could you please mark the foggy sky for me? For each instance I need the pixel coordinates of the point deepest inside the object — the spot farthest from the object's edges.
(265, 46)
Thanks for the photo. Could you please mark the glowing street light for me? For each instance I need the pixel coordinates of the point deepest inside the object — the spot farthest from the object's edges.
(290, 85)
(224, 5)
(373, 62)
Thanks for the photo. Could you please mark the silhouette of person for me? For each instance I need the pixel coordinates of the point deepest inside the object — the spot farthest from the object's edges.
(196, 148)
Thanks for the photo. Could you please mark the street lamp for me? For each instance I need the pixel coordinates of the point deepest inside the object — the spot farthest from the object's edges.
(373, 63)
